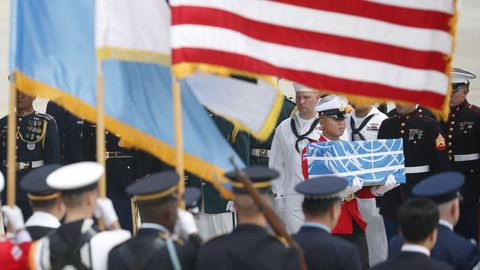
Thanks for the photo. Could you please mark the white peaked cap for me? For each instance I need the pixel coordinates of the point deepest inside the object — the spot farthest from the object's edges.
(301, 88)
(460, 75)
(75, 176)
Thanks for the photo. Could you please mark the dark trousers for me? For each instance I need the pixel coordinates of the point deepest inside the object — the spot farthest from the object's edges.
(467, 225)
(123, 208)
(391, 227)
(358, 239)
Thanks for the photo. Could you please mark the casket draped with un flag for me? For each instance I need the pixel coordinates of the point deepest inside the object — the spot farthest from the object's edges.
(371, 161)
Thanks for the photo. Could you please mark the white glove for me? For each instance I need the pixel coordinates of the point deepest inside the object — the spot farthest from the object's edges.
(13, 217)
(279, 203)
(105, 211)
(389, 185)
(354, 187)
(185, 224)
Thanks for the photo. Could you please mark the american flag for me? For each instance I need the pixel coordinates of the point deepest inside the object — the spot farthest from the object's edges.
(396, 50)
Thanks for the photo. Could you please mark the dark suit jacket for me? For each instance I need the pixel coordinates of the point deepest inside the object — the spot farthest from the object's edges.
(324, 251)
(139, 246)
(450, 248)
(412, 261)
(247, 247)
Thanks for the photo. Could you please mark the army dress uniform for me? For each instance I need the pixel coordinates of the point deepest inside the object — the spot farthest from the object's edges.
(37, 144)
(315, 238)
(450, 247)
(248, 246)
(425, 153)
(123, 167)
(153, 246)
(41, 195)
(70, 130)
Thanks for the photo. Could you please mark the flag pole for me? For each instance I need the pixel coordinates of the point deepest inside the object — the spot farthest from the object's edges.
(179, 164)
(11, 143)
(100, 134)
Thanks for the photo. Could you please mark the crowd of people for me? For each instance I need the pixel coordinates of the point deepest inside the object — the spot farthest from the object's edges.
(430, 222)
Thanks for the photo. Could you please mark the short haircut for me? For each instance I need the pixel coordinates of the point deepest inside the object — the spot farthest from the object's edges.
(315, 208)
(246, 206)
(74, 199)
(43, 205)
(418, 217)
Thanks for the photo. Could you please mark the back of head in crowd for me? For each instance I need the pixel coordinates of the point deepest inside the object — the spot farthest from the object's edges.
(322, 199)
(261, 180)
(418, 220)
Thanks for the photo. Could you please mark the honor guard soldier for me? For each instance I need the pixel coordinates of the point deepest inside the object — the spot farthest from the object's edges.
(351, 224)
(418, 219)
(153, 247)
(48, 208)
(249, 245)
(70, 130)
(37, 144)
(424, 147)
(456, 250)
(13, 253)
(123, 167)
(463, 146)
(76, 244)
(217, 215)
(321, 208)
(260, 151)
(363, 123)
(290, 137)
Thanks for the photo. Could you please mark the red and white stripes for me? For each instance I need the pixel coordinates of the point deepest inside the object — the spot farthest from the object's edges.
(384, 49)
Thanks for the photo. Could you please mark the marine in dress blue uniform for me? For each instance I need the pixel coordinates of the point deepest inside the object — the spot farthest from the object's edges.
(454, 249)
(249, 245)
(321, 208)
(463, 146)
(37, 144)
(47, 207)
(425, 152)
(153, 246)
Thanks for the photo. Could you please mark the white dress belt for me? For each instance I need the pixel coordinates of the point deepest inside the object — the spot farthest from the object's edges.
(417, 169)
(467, 157)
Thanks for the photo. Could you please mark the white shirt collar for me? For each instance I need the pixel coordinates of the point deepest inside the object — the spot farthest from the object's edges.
(43, 219)
(155, 226)
(317, 225)
(416, 248)
(446, 224)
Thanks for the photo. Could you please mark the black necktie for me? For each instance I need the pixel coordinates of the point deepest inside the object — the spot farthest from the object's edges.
(303, 136)
(362, 125)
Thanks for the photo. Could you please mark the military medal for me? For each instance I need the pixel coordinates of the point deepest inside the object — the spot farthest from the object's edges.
(30, 146)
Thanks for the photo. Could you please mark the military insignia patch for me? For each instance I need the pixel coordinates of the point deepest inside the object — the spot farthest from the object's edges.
(440, 142)
(415, 134)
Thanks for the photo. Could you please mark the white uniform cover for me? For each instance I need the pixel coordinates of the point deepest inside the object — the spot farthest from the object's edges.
(375, 232)
(285, 158)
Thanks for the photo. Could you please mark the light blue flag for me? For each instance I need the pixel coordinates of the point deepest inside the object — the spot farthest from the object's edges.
(54, 56)
(372, 161)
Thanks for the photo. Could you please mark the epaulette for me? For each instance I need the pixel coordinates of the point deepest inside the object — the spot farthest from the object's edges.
(280, 239)
(473, 108)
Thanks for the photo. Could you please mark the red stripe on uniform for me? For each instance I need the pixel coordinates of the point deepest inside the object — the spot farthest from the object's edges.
(392, 14)
(314, 80)
(310, 40)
